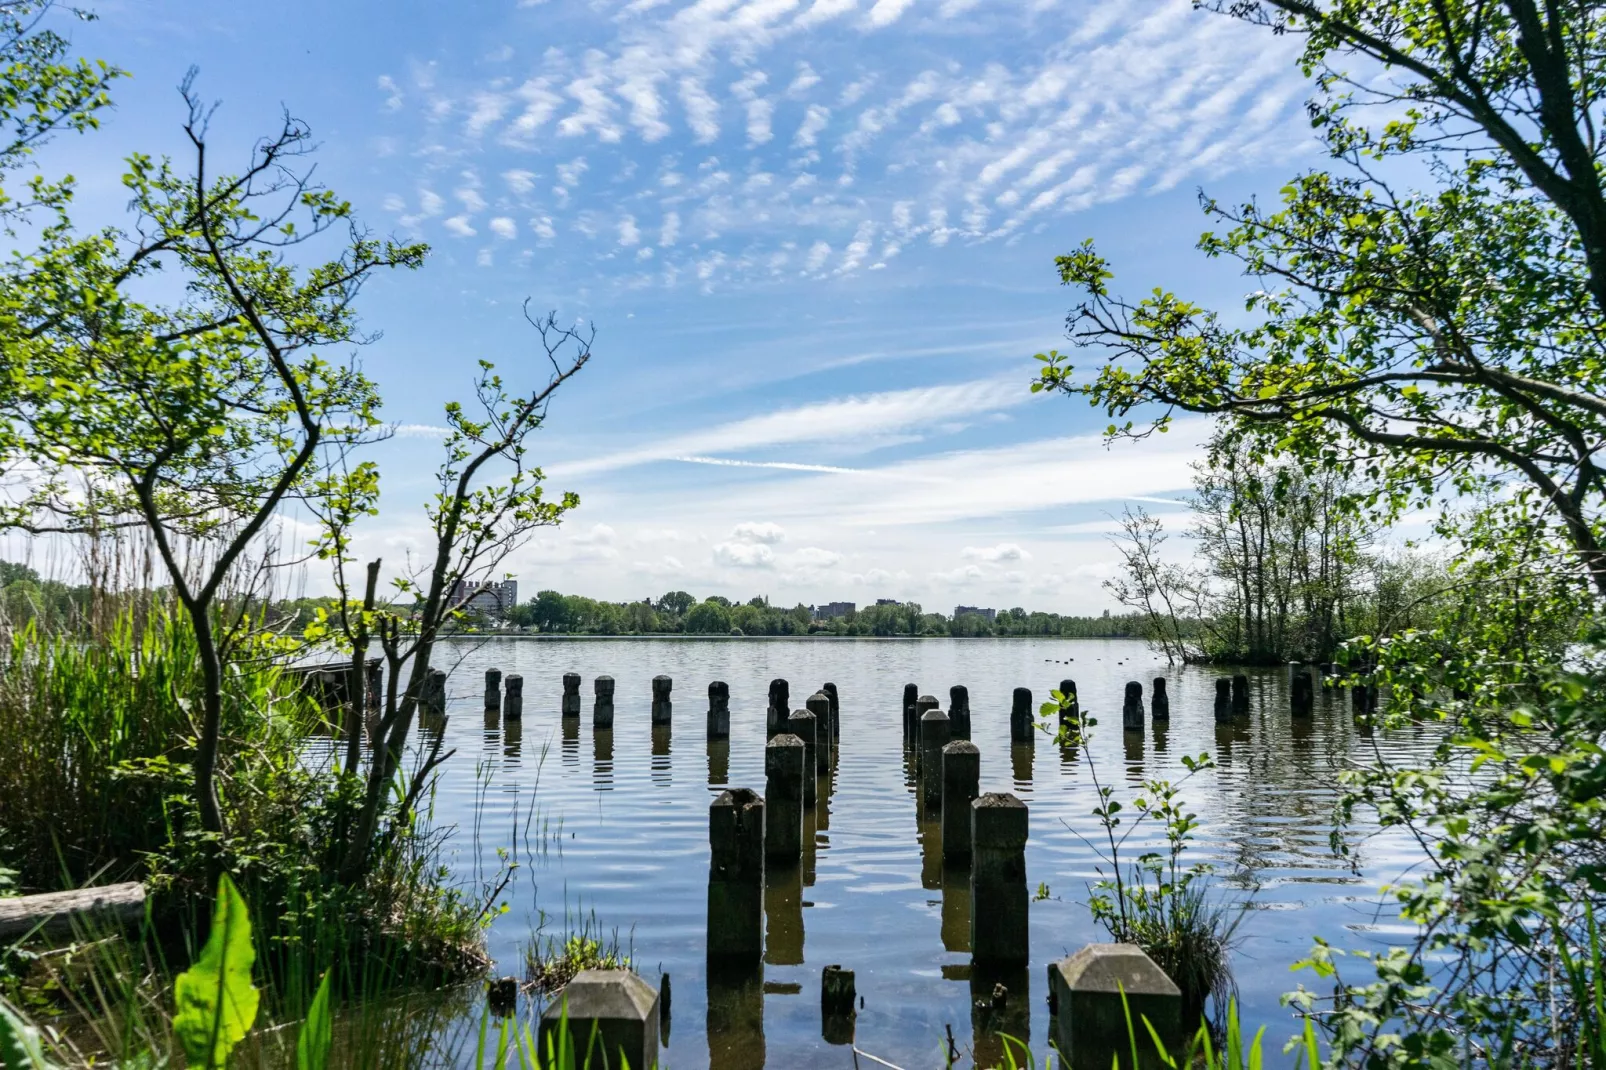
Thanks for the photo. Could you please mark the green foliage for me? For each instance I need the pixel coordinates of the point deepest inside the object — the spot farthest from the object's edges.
(216, 1001)
(317, 1032)
(20, 1045)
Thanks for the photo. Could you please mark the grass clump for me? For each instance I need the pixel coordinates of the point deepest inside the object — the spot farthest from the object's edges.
(550, 962)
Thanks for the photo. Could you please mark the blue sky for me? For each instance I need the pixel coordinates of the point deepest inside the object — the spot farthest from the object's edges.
(816, 238)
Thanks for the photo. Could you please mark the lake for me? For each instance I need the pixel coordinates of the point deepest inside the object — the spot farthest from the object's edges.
(618, 826)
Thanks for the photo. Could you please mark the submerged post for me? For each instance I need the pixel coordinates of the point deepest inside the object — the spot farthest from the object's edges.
(961, 782)
(783, 799)
(779, 708)
(571, 694)
(911, 695)
(836, 712)
(1240, 693)
(1223, 700)
(803, 725)
(999, 932)
(1020, 717)
(819, 704)
(719, 710)
(935, 727)
(959, 711)
(1070, 712)
(1093, 994)
(618, 1007)
(923, 705)
(1132, 707)
(660, 699)
(512, 698)
(493, 689)
(602, 710)
(736, 876)
(837, 998)
(1160, 704)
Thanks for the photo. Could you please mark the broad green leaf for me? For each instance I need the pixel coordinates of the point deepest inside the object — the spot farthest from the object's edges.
(317, 1032)
(217, 1003)
(20, 1046)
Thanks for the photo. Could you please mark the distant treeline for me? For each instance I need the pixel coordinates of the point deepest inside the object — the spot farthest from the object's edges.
(680, 613)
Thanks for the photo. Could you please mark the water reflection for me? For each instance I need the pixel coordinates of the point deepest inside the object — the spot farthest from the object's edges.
(956, 909)
(662, 772)
(1020, 764)
(783, 916)
(1132, 751)
(602, 759)
(512, 739)
(1000, 1007)
(735, 1017)
(571, 742)
(719, 761)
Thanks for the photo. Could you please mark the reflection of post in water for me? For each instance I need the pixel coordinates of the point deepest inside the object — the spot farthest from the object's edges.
(1161, 730)
(1070, 749)
(1000, 1006)
(1132, 750)
(823, 788)
(931, 850)
(512, 737)
(602, 759)
(661, 773)
(811, 828)
(956, 908)
(837, 1005)
(783, 915)
(735, 1016)
(570, 729)
(1020, 763)
(493, 725)
(1303, 730)
(1224, 736)
(719, 761)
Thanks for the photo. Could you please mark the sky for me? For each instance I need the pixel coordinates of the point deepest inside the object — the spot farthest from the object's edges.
(815, 238)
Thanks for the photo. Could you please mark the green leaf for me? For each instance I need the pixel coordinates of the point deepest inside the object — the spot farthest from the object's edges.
(20, 1046)
(317, 1032)
(217, 1003)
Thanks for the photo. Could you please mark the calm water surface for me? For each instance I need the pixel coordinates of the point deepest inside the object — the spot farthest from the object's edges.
(617, 824)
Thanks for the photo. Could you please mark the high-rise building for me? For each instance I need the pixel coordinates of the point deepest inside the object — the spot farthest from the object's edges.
(832, 610)
(492, 598)
(990, 614)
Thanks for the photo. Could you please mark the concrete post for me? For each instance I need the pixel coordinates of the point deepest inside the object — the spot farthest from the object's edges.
(911, 695)
(1072, 716)
(836, 712)
(1089, 1019)
(999, 930)
(961, 782)
(571, 694)
(736, 876)
(719, 710)
(1240, 693)
(837, 1000)
(493, 689)
(602, 710)
(512, 696)
(1160, 704)
(1132, 707)
(1301, 694)
(375, 685)
(819, 704)
(660, 699)
(1223, 700)
(803, 725)
(783, 799)
(780, 708)
(1020, 717)
(618, 1006)
(935, 728)
(435, 690)
(959, 711)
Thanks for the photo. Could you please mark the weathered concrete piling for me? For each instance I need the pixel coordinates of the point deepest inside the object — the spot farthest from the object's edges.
(493, 689)
(836, 712)
(1223, 699)
(779, 708)
(736, 876)
(719, 710)
(959, 711)
(1070, 714)
(837, 999)
(571, 694)
(1020, 716)
(783, 799)
(803, 725)
(661, 707)
(819, 704)
(602, 708)
(1091, 994)
(1132, 707)
(911, 695)
(998, 920)
(1160, 703)
(1301, 692)
(923, 705)
(961, 783)
(1240, 693)
(435, 690)
(512, 696)
(618, 1006)
(934, 734)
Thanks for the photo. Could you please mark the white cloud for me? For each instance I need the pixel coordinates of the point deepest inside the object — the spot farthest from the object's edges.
(540, 102)
(519, 181)
(504, 228)
(702, 110)
(629, 233)
(814, 121)
(430, 203)
(744, 554)
(805, 80)
(750, 531)
(470, 198)
(1004, 551)
(459, 226)
(818, 252)
(670, 231)
(886, 12)
(813, 557)
(541, 225)
(393, 100)
(484, 109)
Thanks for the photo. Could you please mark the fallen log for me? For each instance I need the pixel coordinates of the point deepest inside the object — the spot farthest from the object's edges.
(56, 911)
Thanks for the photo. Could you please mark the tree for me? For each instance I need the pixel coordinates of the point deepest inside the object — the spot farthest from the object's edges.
(200, 418)
(676, 603)
(549, 611)
(1444, 339)
(712, 617)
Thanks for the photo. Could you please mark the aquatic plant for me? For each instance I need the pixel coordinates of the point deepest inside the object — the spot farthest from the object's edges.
(550, 962)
